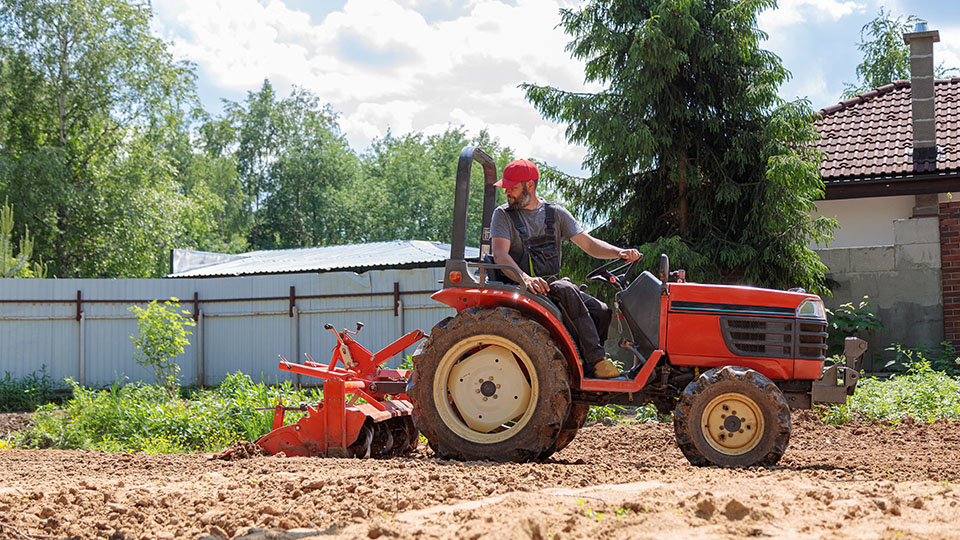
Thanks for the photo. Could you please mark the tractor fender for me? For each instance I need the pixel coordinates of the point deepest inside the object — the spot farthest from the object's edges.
(461, 298)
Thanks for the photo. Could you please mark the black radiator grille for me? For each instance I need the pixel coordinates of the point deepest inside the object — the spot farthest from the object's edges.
(775, 338)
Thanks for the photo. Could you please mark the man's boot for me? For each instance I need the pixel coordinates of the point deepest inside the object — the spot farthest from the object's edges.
(605, 369)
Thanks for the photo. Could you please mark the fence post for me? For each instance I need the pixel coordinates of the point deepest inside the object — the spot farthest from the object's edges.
(198, 346)
(200, 361)
(398, 313)
(294, 332)
(82, 364)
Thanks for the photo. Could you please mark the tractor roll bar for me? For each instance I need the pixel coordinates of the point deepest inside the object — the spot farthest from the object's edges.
(468, 155)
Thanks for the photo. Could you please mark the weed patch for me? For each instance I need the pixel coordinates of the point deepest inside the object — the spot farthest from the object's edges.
(921, 393)
(619, 413)
(144, 418)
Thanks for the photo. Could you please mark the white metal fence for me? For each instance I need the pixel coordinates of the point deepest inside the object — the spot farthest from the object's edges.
(81, 328)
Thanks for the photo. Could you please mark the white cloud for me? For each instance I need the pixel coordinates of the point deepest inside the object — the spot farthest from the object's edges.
(383, 65)
(947, 51)
(790, 12)
(813, 85)
(425, 65)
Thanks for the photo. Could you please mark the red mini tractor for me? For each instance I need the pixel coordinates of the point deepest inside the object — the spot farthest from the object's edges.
(503, 379)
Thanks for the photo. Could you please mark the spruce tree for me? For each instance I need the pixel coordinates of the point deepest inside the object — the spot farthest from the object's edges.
(692, 152)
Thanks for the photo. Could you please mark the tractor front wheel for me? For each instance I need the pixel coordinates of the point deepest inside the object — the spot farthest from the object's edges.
(732, 417)
(490, 384)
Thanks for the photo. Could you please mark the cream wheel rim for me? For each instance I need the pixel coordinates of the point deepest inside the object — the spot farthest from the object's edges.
(485, 388)
(732, 424)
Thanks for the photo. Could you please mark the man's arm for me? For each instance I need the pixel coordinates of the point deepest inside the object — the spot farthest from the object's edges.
(501, 255)
(601, 250)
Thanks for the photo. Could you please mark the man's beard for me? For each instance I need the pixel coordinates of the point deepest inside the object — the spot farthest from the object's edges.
(522, 201)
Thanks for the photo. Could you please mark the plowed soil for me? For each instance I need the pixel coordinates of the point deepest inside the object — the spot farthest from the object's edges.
(619, 481)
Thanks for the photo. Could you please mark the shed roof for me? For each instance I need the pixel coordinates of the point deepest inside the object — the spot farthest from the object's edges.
(355, 257)
(869, 138)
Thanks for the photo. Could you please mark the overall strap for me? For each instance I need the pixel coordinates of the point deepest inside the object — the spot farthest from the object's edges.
(518, 223)
(550, 217)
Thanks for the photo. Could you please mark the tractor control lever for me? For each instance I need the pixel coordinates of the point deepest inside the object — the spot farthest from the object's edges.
(357, 331)
(329, 326)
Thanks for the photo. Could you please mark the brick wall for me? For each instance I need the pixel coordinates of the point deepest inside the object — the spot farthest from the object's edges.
(950, 267)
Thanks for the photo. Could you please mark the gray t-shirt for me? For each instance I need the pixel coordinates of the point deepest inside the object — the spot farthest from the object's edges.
(565, 226)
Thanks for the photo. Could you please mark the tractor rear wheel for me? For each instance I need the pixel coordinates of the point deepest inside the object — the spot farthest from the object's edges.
(732, 417)
(573, 423)
(490, 384)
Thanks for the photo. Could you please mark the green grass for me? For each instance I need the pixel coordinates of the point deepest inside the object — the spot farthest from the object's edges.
(922, 393)
(143, 418)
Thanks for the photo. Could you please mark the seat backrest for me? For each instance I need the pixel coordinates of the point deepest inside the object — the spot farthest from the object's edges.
(640, 305)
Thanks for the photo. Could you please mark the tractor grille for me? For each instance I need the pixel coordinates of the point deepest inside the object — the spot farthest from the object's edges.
(775, 338)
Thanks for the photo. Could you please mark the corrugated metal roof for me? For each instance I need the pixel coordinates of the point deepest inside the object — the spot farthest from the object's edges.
(357, 257)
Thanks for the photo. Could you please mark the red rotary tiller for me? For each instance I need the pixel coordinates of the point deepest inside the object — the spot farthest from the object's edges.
(379, 426)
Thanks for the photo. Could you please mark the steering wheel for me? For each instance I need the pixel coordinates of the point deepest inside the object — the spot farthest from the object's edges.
(614, 272)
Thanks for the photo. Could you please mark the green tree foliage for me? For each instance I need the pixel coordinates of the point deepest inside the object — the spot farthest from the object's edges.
(409, 182)
(19, 265)
(89, 99)
(302, 185)
(692, 152)
(886, 58)
(292, 167)
(161, 337)
(110, 163)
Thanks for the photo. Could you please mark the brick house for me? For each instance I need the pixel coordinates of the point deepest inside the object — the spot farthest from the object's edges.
(891, 173)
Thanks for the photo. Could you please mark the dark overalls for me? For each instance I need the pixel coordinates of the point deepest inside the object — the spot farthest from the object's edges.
(586, 318)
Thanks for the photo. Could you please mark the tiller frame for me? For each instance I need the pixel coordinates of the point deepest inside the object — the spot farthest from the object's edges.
(336, 427)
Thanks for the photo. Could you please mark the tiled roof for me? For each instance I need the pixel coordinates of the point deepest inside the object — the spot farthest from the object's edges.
(870, 137)
(356, 257)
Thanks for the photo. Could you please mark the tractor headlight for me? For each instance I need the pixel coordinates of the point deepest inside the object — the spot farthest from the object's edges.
(811, 308)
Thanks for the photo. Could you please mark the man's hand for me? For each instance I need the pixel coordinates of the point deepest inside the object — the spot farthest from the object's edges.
(536, 284)
(629, 254)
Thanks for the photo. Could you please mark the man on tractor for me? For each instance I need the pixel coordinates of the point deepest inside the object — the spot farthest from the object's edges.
(527, 233)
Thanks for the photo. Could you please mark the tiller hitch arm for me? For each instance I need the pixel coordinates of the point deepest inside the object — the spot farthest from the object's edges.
(336, 427)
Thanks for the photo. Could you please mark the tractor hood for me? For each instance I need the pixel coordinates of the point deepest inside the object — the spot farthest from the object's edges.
(746, 301)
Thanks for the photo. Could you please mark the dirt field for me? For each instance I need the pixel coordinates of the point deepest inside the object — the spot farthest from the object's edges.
(620, 481)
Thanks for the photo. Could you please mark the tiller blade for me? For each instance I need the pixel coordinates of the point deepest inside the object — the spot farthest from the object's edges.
(338, 428)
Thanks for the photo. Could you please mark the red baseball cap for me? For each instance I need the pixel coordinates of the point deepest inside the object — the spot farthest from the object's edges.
(517, 171)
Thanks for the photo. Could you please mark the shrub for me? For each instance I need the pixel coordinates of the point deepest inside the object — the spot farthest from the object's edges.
(849, 321)
(27, 393)
(162, 337)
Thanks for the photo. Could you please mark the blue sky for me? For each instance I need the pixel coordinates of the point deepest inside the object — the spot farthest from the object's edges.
(424, 65)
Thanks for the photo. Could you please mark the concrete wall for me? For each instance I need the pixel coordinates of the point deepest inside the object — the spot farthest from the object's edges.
(902, 282)
(865, 222)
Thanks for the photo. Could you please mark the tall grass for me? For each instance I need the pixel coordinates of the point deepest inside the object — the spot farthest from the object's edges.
(144, 418)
